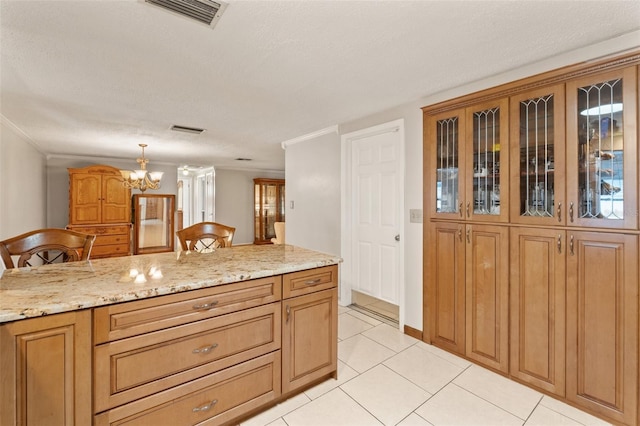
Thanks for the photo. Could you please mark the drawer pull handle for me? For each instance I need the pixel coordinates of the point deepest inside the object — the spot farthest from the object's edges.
(205, 407)
(312, 282)
(205, 305)
(206, 349)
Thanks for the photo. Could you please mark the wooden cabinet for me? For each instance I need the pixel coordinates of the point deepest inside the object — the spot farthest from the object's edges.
(568, 203)
(97, 195)
(487, 295)
(111, 240)
(537, 307)
(268, 208)
(310, 327)
(469, 162)
(213, 355)
(152, 346)
(538, 194)
(46, 365)
(468, 289)
(602, 145)
(100, 204)
(445, 290)
(602, 324)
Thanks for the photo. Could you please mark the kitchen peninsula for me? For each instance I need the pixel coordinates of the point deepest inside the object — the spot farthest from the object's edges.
(168, 338)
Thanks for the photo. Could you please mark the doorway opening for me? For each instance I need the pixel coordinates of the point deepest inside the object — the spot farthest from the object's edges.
(373, 221)
(379, 309)
(196, 196)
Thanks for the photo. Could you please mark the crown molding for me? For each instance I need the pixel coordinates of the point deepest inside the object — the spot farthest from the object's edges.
(308, 136)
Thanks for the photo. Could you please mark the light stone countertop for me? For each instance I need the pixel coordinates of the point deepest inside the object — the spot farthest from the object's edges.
(50, 289)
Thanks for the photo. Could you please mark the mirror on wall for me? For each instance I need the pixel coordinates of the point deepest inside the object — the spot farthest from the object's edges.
(153, 223)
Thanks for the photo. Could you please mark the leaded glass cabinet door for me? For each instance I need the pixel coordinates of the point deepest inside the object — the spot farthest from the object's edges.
(446, 135)
(538, 157)
(602, 150)
(487, 165)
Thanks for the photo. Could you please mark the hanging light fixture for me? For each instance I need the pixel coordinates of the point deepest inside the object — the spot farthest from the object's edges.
(141, 179)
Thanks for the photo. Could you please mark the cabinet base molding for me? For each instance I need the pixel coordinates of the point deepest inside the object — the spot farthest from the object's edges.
(413, 332)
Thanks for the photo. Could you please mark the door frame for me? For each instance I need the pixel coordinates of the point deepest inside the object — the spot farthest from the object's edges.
(347, 195)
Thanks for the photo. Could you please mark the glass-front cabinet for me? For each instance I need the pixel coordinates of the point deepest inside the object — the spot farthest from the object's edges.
(602, 150)
(268, 208)
(447, 131)
(469, 156)
(538, 156)
(487, 143)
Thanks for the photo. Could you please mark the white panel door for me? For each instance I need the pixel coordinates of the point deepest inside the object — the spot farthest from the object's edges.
(377, 212)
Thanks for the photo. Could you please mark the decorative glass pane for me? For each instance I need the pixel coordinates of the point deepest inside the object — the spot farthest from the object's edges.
(486, 162)
(600, 151)
(537, 164)
(447, 194)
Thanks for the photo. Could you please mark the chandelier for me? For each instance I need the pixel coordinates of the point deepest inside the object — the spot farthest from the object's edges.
(141, 179)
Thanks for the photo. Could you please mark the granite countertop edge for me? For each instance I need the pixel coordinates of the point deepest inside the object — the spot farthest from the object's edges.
(52, 289)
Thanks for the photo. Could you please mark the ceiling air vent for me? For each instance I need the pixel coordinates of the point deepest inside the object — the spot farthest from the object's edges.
(205, 11)
(186, 129)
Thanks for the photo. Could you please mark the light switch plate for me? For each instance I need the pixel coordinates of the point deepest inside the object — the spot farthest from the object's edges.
(415, 215)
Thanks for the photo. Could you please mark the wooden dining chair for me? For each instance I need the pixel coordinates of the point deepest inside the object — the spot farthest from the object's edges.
(205, 236)
(44, 246)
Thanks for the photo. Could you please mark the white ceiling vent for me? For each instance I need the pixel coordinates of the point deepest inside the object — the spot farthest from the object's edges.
(205, 11)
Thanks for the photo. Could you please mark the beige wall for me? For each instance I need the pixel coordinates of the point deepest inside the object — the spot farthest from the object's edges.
(313, 185)
(234, 200)
(23, 185)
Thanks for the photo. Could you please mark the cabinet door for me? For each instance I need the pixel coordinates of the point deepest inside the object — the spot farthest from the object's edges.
(602, 324)
(602, 150)
(487, 161)
(116, 200)
(538, 157)
(309, 338)
(46, 370)
(537, 307)
(445, 133)
(85, 204)
(445, 300)
(487, 295)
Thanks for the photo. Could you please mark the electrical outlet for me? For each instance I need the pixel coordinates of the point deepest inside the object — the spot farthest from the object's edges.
(415, 215)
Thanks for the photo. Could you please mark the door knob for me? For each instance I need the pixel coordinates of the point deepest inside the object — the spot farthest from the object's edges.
(398, 237)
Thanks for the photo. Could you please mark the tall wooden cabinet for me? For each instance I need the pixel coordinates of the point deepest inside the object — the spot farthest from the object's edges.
(100, 204)
(268, 208)
(467, 273)
(564, 229)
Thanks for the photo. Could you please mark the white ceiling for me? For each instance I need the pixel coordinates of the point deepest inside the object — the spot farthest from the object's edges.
(95, 77)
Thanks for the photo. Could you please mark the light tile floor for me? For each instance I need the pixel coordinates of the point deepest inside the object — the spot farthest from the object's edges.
(388, 378)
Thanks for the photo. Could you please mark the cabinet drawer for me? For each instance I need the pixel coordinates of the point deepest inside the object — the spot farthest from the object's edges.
(309, 281)
(214, 399)
(132, 368)
(104, 240)
(109, 250)
(101, 229)
(132, 318)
